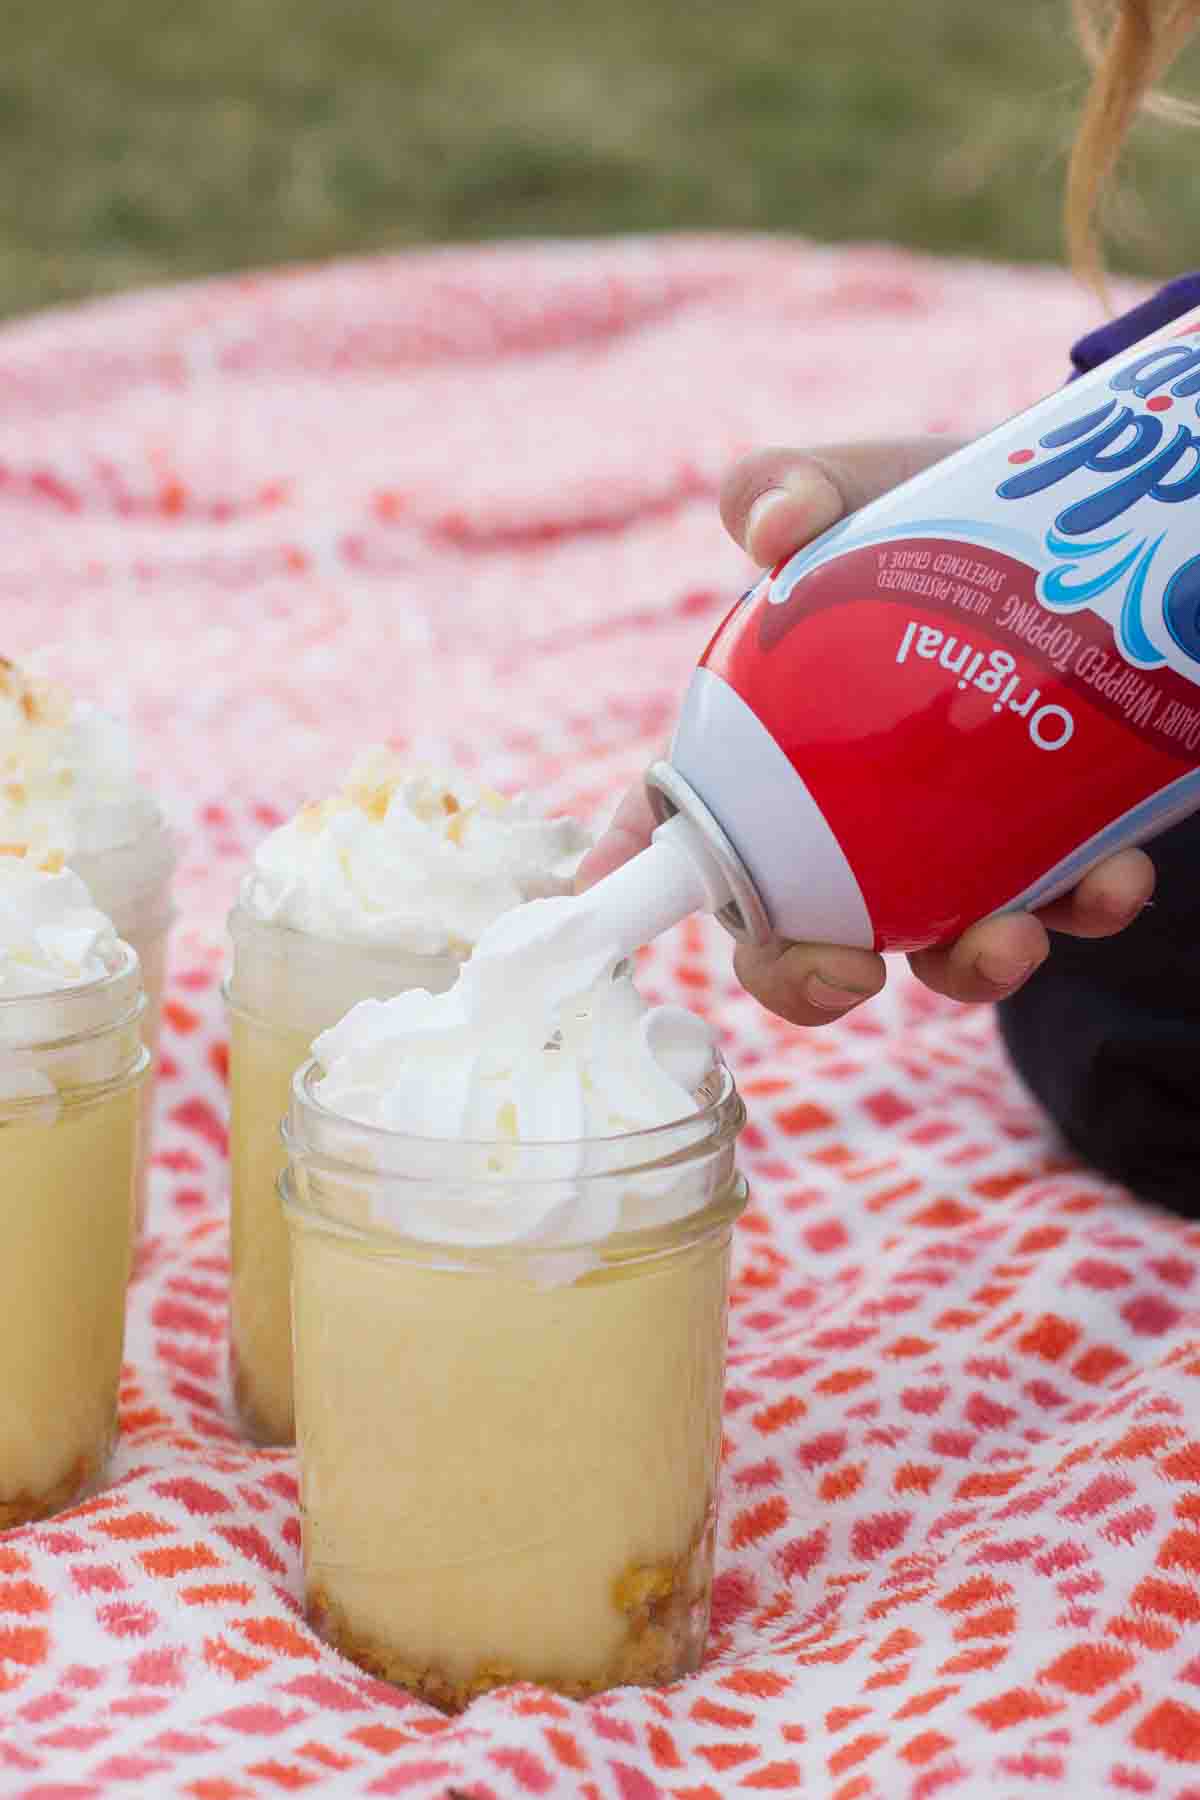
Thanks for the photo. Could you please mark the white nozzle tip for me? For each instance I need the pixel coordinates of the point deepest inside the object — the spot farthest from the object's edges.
(732, 893)
(686, 841)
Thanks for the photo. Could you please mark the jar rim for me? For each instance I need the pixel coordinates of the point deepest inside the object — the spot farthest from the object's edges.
(634, 1244)
(333, 1158)
(723, 1109)
(153, 828)
(32, 1108)
(132, 877)
(77, 1011)
(244, 924)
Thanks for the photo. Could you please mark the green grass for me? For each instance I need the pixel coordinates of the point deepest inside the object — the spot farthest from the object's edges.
(146, 140)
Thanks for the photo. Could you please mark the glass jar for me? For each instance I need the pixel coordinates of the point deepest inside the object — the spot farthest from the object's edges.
(131, 882)
(285, 987)
(71, 1065)
(508, 1455)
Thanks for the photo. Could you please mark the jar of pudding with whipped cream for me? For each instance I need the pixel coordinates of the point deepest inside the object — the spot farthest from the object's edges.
(69, 784)
(381, 888)
(72, 1062)
(510, 1208)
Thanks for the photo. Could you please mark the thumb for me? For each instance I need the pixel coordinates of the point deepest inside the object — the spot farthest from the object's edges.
(776, 500)
(629, 831)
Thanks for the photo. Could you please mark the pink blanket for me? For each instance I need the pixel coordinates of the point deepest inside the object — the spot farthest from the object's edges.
(465, 500)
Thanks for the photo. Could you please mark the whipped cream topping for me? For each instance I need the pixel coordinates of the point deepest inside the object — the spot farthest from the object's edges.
(543, 1040)
(68, 777)
(419, 859)
(51, 936)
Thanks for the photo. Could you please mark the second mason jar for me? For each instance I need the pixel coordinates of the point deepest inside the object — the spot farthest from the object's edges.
(384, 886)
(285, 987)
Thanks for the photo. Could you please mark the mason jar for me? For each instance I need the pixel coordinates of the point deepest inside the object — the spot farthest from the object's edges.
(508, 1454)
(285, 987)
(131, 882)
(71, 1066)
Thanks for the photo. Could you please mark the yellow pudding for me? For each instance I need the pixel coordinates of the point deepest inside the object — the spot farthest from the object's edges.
(507, 1481)
(262, 1061)
(71, 1063)
(286, 987)
(65, 1197)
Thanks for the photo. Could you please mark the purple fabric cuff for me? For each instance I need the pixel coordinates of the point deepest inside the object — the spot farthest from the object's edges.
(1170, 302)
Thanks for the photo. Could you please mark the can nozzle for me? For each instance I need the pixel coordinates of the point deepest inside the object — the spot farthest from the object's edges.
(741, 912)
(689, 866)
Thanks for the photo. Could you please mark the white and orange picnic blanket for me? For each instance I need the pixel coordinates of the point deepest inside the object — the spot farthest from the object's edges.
(464, 500)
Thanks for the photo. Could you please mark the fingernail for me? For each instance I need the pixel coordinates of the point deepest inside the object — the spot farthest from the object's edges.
(1002, 973)
(766, 503)
(831, 998)
(808, 497)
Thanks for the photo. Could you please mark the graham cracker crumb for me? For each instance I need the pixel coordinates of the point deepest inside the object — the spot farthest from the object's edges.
(665, 1604)
(374, 801)
(251, 1415)
(42, 702)
(642, 1586)
(50, 862)
(23, 1508)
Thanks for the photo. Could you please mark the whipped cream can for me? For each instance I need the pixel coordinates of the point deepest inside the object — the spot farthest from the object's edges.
(967, 693)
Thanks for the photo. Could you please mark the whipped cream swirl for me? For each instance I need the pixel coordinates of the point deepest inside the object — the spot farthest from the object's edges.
(418, 859)
(68, 777)
(51, 936)
(543, 1040)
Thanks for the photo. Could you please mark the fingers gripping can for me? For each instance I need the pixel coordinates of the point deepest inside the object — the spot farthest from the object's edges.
(963, 696)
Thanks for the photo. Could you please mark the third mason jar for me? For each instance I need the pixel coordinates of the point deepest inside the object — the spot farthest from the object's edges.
(71, 1065)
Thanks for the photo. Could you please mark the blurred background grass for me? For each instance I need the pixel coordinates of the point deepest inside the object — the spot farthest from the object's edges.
(147, 140)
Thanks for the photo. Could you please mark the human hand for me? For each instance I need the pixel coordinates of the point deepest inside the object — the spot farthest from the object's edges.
(772, 503)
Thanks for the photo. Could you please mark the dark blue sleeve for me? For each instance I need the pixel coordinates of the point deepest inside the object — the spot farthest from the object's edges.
(1170, 302)
(1107, 1032)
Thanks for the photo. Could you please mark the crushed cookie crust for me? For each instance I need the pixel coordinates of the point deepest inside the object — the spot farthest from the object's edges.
(253, 1419)
(665, 1605)
(25, 1507)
